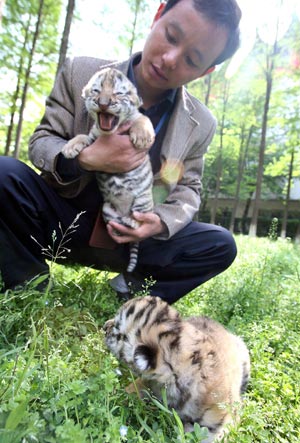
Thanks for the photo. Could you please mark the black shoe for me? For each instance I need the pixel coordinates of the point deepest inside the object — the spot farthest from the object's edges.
(124, 296)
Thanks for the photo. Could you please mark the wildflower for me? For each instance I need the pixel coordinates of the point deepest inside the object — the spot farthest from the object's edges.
(123, 430)
(118, 372)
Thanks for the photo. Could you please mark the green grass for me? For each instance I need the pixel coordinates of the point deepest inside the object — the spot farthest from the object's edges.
(58, 383)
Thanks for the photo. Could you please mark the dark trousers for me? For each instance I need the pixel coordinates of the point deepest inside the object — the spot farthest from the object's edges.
(33, 218)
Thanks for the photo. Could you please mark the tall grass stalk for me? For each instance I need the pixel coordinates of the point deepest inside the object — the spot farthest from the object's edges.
(59, 248)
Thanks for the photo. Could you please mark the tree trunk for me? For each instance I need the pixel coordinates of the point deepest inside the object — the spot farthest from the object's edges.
(17, 92)
(26, 82)
(297, 236)
(287, 196)
(241, 167)
(2, 3)
(13, 108)
(245, 213)
(219, 158)
(208, 89)
(137, 5)
(262, 147)
(66, 34)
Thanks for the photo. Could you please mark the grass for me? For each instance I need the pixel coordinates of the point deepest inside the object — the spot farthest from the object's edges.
(58, 383)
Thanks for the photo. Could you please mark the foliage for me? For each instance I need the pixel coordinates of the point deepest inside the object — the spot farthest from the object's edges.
(60, 384)
(16, 37)
(239, 133)
(134, 30)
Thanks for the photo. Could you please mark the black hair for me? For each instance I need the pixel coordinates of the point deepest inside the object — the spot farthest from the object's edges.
(226, 14)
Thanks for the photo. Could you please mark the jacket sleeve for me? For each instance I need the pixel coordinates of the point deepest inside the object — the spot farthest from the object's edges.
(177, 191)
(57, 124)
(65, 116)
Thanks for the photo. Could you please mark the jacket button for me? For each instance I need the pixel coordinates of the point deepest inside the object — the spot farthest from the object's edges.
(41, 163)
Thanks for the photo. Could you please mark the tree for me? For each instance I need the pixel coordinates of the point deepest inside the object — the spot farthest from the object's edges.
(135, 29)
(135, 6)
(287, 196)
(28, 49)
(285, 166)
(26, 80)
(2, 3)
(271, 39)
(224, 98)
(208, 79)
(16, 93)
(269, 82)
(66, 34)
(243, 152)
(297, 235)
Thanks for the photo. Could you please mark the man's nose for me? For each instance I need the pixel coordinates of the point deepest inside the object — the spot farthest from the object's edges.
(171, 58)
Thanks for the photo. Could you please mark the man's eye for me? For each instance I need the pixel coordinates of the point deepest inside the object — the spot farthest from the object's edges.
(170, 37)
(190, 62)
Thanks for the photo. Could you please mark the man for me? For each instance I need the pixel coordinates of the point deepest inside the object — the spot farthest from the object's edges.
(187, 39)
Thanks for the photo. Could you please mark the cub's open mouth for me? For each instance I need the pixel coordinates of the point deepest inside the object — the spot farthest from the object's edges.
(107, 122)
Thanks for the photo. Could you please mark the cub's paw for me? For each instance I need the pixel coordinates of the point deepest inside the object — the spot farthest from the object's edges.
(75, 146)
(130, 222)
(141, 133)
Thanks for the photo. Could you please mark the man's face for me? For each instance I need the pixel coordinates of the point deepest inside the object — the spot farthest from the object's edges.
(180, 48)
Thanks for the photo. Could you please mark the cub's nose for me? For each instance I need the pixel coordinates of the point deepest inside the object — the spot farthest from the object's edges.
(104, 103)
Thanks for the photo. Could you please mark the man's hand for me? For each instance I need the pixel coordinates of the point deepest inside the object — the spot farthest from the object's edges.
(112, 153)
(150, 225)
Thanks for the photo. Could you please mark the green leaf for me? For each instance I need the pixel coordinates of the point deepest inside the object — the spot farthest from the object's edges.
(16, 416)
(9, 436)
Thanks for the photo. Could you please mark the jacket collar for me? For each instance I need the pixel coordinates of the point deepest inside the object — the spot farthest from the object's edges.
(182, 121)
(182, 96)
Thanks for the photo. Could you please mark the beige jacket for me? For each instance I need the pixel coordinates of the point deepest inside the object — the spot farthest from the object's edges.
(190, 130)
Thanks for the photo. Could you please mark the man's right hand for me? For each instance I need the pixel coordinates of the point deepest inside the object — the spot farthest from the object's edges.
(112, 153)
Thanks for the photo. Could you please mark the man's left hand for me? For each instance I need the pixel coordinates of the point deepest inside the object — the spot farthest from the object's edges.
(150, 225)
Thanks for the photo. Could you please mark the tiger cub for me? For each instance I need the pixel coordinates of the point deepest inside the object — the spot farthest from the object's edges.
(111, 100)
(204, 368)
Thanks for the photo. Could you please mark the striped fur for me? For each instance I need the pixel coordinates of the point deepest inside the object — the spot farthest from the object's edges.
(111, 99)
(203, 367)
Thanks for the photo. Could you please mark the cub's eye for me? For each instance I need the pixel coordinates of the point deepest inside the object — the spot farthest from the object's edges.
(121, 337)
(96, 91)
(122, 91)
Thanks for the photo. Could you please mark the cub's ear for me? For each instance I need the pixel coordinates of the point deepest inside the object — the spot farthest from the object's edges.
(88, 87)
(85, 91)
(145, 357)
(139, 102)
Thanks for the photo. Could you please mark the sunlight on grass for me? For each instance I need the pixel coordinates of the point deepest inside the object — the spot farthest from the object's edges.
(60, 384)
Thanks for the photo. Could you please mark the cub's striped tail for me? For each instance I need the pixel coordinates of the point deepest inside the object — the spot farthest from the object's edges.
(133, 258)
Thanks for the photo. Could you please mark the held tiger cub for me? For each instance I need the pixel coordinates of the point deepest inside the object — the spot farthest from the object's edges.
(204, 368)
(111, 100)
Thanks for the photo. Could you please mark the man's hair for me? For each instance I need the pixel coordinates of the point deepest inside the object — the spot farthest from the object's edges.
(226, 14)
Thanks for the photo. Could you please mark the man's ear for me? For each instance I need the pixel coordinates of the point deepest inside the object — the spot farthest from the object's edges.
(158, 13)
(209, 70)
(145, 357)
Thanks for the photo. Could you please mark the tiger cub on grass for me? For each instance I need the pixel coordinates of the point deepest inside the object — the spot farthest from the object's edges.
(111, 100)
(204, 368)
